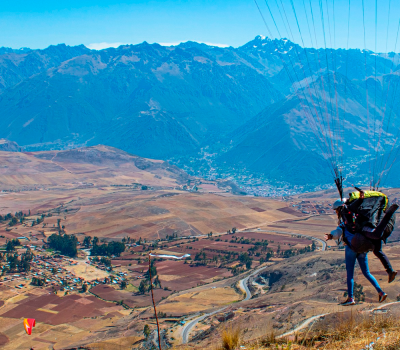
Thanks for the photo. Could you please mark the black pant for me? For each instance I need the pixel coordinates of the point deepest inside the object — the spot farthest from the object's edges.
(381, 255)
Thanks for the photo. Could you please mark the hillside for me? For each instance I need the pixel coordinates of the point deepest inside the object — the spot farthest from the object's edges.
(172, 103)
(271, 143)
(101, 163)
(151, 100)
(283, 142)
(125, 193)
(9, 146)
(207, 242)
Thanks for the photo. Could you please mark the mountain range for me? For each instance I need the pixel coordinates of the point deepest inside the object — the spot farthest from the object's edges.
(270, 106)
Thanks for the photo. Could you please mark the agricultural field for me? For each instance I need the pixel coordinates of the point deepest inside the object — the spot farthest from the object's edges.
(202, 240)
(306, 285)
(60, 318)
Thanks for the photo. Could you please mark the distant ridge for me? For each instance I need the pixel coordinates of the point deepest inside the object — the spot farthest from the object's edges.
(9, 146)
(106, 155)
(4, 50)
(173, 102)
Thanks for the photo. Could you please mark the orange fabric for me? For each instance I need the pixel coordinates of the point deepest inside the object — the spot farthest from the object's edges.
(29, 323)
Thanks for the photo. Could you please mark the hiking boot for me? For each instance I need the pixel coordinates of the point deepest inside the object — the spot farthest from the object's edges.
(392, 276)
(382, 297)
(348, 302)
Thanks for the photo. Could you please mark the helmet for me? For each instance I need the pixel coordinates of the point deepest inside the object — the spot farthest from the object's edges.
(338, 203)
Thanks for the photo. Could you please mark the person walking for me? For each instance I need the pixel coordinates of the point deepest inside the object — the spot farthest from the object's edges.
(369, 238)
(351, 257)
(345, 232)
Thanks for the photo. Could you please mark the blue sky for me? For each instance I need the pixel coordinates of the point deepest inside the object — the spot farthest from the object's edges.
(103, 23)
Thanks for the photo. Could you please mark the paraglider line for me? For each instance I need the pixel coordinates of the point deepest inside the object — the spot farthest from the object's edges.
(154, 304)
(287, 71)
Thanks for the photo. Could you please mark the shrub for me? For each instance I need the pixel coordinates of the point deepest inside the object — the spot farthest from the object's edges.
(230, 338)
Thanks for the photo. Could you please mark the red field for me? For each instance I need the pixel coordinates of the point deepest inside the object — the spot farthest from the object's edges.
(51, 309)
(176, 275)
(129, 298)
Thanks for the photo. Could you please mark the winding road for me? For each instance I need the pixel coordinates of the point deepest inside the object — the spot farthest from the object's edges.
(243, 285)
(189, 326)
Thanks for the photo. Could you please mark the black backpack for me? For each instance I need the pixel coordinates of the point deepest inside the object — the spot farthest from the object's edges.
(370, 210)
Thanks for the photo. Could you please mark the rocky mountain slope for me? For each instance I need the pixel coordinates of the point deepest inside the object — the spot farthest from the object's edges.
(9, 146)
(268, 104)
(147, 99)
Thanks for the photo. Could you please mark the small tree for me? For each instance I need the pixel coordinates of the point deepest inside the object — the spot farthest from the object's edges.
(84, 287)
(95, 241)
(146, 330)
(10, 246)
(313, 246)
(13, 221)
(248, 264)
(157, 282)
(143, 287)
(86, 241)
(123, 284)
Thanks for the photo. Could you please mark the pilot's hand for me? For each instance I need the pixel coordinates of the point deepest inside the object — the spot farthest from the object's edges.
(328, 236)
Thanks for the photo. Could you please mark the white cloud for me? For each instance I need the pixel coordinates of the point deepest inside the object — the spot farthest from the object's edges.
(169, 44)
(105, 45)
(216, 44)
(101, 46)
(200, 42)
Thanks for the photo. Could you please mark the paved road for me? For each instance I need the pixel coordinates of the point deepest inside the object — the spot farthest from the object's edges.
(189, 326)
(243, 285)
(243, 282)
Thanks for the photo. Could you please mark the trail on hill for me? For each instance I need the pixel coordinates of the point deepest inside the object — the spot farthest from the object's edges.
(243, 285)
(311, 319)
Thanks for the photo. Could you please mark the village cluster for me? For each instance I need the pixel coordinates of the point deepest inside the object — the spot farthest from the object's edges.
(54, 271)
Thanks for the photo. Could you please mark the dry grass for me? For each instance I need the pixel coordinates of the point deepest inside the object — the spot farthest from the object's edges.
(352, 331)
(230, 338)
(346, 332)
(199, 300)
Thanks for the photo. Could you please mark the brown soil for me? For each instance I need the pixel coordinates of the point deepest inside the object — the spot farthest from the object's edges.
(130, 299)
(67, 309)
(3, 339)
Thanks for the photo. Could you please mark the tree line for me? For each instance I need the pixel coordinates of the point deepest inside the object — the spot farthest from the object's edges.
(107, 249)
(13, 219)
(17, 263)
(66, 244)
